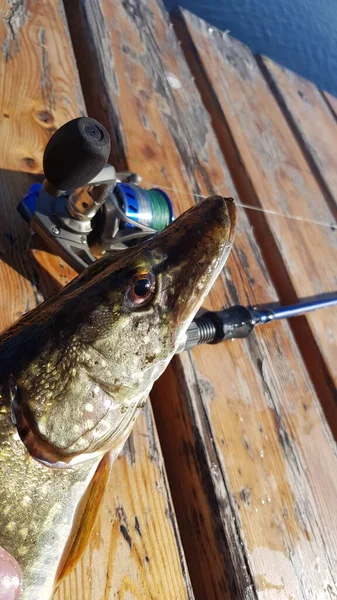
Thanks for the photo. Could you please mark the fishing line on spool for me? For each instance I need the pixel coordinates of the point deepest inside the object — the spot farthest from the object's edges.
(332, 226)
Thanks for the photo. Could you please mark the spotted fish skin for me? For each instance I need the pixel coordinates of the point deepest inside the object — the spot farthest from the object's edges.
(75, 372)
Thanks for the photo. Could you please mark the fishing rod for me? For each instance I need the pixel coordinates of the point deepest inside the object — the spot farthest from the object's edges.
(235, 322)
(106, 211)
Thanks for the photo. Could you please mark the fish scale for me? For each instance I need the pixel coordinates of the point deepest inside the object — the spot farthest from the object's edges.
(75, 372)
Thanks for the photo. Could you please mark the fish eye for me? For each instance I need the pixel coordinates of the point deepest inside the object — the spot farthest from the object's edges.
(140, 290)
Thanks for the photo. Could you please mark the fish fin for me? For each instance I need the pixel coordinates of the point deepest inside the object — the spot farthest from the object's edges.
(85, 519)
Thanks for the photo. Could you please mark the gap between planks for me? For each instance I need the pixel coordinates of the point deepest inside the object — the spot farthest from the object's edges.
(322, 374)
(40, 91)
(231, 398)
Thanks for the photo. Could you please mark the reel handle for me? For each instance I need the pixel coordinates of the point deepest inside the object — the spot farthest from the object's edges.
(75, 154)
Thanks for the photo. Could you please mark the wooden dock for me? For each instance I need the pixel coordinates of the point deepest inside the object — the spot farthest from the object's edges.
(227, 486)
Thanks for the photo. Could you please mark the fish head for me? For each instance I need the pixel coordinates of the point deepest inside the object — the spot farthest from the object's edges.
(98, 347)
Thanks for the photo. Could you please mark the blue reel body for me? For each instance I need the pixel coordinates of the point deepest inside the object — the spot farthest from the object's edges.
(152, 208)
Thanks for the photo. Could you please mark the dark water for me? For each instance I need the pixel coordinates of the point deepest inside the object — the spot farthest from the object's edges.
(299, 34)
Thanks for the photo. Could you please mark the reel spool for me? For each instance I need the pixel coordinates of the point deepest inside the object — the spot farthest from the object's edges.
(128, 215)
(84, 208)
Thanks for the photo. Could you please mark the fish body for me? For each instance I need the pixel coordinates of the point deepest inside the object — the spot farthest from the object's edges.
(75, 372)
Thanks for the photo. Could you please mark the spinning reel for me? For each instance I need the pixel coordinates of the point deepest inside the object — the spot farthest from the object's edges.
(84, 208)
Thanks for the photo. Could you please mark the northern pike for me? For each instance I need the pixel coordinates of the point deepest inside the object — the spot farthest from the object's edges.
(76, 370)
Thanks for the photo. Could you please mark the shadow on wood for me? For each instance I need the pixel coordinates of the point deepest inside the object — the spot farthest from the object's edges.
(270, 172)
(239, 423)
(40, 273)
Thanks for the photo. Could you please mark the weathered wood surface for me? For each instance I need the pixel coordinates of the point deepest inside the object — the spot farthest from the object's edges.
(40, 90)
(239, 423)
(131, 553)
(270, 171)
(311, 120)
(331, 102)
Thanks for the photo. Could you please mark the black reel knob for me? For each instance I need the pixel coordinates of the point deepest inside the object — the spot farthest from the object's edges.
(76, 153)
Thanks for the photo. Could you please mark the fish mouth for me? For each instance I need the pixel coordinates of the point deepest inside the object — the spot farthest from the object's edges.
(195, 248)
(185, 258)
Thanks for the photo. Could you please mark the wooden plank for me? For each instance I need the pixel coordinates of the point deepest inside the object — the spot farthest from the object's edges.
(26, 277)
(331, 102)
(40, 90)
(271, 172)
(37, 74)
(311, 120)
(239, 423)
(135, 549)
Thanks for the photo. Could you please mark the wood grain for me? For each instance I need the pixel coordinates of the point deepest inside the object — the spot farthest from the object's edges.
(271, 172)
(40, 90)
(239, 423)
(17, 292)
(312, 122)
(135, 550)
(331, 102)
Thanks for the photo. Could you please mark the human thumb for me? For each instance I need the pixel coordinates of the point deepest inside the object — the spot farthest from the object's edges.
(10, 577)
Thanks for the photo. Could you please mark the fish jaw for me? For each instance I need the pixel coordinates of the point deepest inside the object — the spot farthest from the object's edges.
(91, 355)
(88, 358)
(37, 507)
(194, 250)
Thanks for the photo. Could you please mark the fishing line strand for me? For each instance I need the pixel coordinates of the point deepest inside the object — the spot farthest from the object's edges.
(267, 211)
